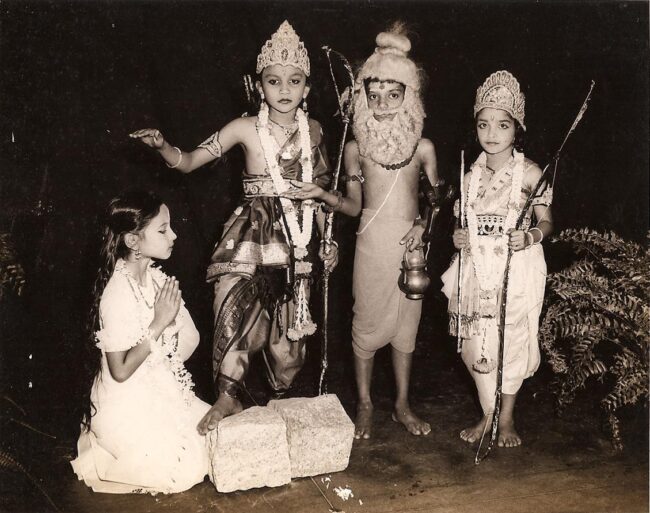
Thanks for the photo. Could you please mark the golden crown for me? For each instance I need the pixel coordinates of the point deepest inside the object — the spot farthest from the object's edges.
(501, 91)
(284, 48)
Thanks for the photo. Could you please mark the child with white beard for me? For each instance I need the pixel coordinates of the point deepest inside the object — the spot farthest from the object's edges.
(382, 168)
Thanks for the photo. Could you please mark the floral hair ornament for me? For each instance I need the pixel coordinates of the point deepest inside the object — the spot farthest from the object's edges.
(284, 48)
(501, 91)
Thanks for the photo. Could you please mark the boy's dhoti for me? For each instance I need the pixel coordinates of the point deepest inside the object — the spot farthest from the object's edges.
(382, 313)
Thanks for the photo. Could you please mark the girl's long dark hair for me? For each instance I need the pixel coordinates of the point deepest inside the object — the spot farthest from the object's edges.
(130, 212)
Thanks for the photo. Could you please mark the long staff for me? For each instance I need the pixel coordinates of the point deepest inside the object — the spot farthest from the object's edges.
(504, 294)
(345, 108)
(459, 339)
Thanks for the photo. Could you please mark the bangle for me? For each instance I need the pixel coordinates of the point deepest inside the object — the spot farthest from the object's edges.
(329, 242)
(337, 206)
(532, 240)
(148, 336)
(541, 235)
(180, 158)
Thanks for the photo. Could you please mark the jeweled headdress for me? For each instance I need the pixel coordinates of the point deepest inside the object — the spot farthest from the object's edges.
(501, 91)
(284, 48)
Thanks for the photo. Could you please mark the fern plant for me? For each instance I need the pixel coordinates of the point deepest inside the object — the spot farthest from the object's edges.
(596, 329)
(12, 281)
(12, 275)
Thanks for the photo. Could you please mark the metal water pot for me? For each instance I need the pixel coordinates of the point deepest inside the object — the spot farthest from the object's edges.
(414, 280)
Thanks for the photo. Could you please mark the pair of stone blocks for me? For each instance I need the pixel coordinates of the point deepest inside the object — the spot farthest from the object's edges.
(267, 446)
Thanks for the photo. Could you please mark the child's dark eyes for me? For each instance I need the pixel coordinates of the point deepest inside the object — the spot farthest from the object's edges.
(372, 96)
(504, 126)
(394, 96)
(481, 125)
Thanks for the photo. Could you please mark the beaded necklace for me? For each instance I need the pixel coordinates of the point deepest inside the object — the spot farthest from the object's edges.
(136, 286)
(288, 130)
(399, 165)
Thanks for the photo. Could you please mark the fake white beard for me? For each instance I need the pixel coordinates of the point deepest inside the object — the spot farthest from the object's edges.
(389, 141)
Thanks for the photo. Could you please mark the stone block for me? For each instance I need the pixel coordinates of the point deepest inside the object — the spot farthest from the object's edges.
(249, 450)
(319, 433)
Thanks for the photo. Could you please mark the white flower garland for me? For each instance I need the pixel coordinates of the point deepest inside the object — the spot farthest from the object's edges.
(490, 281)
(164, 350)
(298, 236)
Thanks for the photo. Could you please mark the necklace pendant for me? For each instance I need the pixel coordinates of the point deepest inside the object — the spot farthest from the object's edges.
(288, 152)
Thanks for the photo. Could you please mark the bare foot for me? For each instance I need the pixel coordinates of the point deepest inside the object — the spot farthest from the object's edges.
(473, 434)
(411, 422)
(224, 407)
(363, 422)
(508, 436)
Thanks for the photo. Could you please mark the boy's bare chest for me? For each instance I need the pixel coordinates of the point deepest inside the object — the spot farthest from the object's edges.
(378, 178)
(256, 159)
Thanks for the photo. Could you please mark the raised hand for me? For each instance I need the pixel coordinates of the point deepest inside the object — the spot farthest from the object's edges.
(149, 136)
(168, 302)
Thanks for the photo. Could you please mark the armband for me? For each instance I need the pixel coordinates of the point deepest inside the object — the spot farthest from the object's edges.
(545, 199)
(353, 178)
(213, 145)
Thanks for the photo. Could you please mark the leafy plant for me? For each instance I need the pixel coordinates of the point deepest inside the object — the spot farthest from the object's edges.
(7, 462)
(596, 329)
(12, 275)
(12, 280)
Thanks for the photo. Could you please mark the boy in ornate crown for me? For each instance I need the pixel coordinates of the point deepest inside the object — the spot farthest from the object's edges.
(261, 267)
(496, 188)
(382, 166)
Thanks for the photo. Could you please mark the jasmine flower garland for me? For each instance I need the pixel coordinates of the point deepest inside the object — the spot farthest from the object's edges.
(298, 236)
(489, 282)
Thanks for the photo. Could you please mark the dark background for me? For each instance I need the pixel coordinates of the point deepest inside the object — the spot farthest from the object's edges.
(77, 77)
